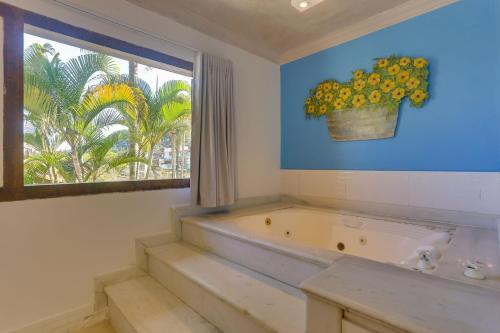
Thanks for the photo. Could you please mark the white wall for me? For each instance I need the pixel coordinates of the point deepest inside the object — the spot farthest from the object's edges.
(50, 249)
(458, 197)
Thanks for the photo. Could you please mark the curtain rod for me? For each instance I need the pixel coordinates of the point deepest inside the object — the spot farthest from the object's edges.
(120, 24)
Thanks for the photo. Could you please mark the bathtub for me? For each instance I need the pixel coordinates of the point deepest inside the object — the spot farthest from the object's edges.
(294, 243)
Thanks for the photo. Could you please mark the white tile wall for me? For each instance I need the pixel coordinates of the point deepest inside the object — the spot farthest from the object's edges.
(383, 187)
(453, 191)
(322, 184)
(472, 192)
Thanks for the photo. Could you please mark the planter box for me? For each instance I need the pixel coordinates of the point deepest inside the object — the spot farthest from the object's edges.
(368, 123)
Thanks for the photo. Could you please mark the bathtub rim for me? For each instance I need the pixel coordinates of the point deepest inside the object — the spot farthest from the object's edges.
(314, 255)
(259, 209)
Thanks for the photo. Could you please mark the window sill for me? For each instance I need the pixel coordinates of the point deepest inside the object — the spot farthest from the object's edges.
(64, 190)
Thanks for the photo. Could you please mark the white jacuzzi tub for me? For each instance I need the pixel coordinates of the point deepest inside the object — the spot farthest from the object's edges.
(312, 235)
(370, 238)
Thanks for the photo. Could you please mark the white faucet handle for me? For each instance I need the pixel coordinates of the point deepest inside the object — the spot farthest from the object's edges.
(424, 262)
(425, 255)
(473, 269)
(474, 264)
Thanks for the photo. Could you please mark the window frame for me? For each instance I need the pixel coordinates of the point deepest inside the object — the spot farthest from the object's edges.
(14, 21)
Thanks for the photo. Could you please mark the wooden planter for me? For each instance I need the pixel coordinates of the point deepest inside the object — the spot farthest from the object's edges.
(368, 123)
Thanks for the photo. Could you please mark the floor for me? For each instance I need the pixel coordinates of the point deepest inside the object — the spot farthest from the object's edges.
(104, 327)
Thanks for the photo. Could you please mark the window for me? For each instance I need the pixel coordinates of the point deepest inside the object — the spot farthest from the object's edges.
(91, 117)
(86, 113)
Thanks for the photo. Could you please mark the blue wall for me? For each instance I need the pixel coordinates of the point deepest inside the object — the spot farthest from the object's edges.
(457, 130)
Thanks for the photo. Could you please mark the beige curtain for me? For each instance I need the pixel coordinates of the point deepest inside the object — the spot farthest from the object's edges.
(213, 151)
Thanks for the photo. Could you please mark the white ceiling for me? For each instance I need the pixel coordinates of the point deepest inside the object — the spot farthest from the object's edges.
(271, 28)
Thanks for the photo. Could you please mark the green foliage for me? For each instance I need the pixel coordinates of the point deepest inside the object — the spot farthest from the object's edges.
(74, 104)
(392, 79)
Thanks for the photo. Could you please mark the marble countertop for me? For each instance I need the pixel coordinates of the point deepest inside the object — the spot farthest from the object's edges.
(412, 301)
(469, 243)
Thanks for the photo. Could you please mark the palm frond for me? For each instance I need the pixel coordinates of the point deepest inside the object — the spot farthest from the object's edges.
(80, 70)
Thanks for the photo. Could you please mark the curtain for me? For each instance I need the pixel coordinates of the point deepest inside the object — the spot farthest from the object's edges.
(213, 151)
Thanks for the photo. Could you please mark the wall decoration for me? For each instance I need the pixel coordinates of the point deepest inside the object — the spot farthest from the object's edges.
(367, 106)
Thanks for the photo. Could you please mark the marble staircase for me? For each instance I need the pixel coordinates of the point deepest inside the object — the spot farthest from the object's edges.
(142, 305)
(190, 290)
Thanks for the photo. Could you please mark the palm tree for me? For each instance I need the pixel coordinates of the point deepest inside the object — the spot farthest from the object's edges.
(70, 101)
(169, 111)
(45, 164)
(154, 115)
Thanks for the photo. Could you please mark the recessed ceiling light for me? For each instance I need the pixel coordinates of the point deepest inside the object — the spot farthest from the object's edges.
(302, 5)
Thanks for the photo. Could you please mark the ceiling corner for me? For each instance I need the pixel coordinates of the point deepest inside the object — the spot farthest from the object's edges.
(374, 23)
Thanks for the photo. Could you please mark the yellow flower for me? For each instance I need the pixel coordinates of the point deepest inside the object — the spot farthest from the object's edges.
(319, 94)
(339, 103)
(359, 85)
(358, 74)
(374, 79)
(335, 85)
(345, 93)
(375, 96)
(358, 101)
(327, 86)
(398, 94)
(387, 86)
(308, 100)
(394, 69)
(322, 109)
(413, 83)
(404, 61)
(383, 63)
(420, 63)
(329, 97)
(403, 77)
(418, 96)
(310, 109)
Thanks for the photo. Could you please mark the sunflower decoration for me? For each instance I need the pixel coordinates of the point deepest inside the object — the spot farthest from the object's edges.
(345, 93)
(359, 85)
(403, 77)
(339, 103)
(413, 83)
(329, 97)
(374, 79)
(358, 74)
(387, 86)
(398, 94)
(392, 80)
(358, 101)
(382, 63)
(375, 97)
(404, 61)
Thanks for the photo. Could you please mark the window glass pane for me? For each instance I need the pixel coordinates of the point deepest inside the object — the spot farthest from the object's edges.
(92, 117)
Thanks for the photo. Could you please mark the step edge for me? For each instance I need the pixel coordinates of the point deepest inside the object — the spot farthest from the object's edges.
(119, 309)
(209, 289)
(149, 277)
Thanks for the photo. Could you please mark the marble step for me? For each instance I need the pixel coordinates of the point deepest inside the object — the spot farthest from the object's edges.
(232, 297)
(142, 305)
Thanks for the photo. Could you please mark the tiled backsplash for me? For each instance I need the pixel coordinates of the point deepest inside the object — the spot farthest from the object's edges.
(468, 192)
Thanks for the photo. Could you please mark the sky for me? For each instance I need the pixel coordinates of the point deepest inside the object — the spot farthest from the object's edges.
(149, 74)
